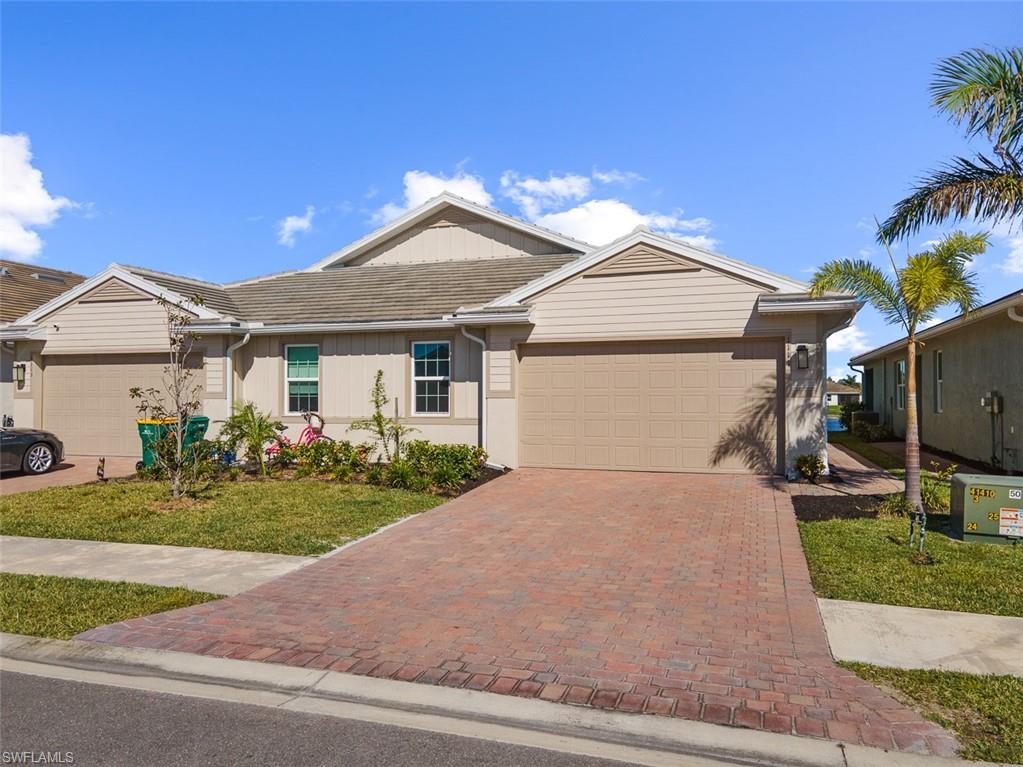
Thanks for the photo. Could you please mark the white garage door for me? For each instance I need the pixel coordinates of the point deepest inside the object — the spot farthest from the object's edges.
(86, 402)
(671, 406)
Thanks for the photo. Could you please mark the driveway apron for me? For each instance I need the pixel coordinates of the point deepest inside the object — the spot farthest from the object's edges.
(669, 594)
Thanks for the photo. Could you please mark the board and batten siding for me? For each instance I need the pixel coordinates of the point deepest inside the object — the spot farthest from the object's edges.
(93, 327)
(348, 365)
(659, 304)
(454, 235)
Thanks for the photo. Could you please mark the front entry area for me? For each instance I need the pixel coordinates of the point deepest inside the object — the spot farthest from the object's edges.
(681, 406)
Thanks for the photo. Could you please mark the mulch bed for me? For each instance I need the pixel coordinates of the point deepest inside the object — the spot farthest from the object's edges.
(820, 508)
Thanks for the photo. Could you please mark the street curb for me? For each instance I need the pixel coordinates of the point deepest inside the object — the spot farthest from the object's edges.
(633, 737)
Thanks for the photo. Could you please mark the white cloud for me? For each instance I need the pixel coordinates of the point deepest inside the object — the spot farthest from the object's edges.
(24, 202)
(931, 323)
(1010, 233)
(288, 227)
(534, 195)
(624, 177)
(850, 339)
(601, 221)
(421, 186)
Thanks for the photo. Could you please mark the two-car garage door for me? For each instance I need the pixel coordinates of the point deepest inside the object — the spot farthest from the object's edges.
(658, 406)
(86, 402)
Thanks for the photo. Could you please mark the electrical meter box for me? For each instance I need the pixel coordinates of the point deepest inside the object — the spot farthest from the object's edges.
(987, 508)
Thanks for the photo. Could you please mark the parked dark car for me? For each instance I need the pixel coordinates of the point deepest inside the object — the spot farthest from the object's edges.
(33, 451)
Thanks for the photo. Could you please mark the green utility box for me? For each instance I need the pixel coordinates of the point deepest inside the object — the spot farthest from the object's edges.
(987, 508)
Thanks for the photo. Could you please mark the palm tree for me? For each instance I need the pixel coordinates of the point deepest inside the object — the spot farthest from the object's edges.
(982, 91)
(911, 297)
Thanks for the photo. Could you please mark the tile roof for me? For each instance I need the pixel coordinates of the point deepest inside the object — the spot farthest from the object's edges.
(213, 296)
(834, 387)
(389, 292)
(21, 291)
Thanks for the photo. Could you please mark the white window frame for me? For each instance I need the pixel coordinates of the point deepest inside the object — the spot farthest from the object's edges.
(900, 384)
(939, 381)
(288, 379)
(412, 353)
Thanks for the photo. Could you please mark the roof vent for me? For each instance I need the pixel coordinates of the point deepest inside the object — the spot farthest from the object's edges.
(48, 277)
(4, 271)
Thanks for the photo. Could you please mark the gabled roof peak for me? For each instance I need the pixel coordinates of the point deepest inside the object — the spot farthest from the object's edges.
(427, 209)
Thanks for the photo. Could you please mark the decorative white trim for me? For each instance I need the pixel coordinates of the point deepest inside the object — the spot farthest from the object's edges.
(807, 305)
(116, 271)
(412, 354)
(642, 235)
(426, 210)
(288, 379)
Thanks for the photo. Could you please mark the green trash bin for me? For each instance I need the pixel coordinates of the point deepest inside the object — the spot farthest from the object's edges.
(152, 430)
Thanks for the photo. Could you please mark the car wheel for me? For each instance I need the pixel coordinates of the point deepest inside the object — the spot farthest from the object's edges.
(38, 459)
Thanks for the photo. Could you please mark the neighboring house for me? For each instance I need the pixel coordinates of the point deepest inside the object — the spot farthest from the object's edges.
(840, 393)
(645, 354)
(24, 287)
(958, 363)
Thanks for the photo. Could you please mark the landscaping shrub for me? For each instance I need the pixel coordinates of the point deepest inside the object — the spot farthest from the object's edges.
(893, 506)
(451, 465)
(935, 490)
(403, 475)
(251, 430)
(810, 466)
(873, 432)
(846, 414)
(342, 460)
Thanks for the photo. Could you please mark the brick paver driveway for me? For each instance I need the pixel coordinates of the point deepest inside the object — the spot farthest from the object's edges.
(683, 595)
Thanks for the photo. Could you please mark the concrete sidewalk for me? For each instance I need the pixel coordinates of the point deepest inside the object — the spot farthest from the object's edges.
(913, 637)
(632, 738)
(211, 570)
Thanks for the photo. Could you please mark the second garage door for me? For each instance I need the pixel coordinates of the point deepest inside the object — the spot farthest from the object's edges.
(664, 406)
(86, 402)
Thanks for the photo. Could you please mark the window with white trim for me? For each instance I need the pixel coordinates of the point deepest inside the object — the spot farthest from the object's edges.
(431, 377)
(900, 384)
(301, 378)
(939, 382)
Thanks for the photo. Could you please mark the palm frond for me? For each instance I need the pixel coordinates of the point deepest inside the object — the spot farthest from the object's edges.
(940, 276)
(866, 282)
(984, 89)
(962, 189)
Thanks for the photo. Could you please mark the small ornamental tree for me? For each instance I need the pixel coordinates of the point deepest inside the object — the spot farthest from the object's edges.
(175, 402)
(386, 432)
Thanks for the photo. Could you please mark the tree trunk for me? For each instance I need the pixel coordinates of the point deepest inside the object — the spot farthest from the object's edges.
(912, 431)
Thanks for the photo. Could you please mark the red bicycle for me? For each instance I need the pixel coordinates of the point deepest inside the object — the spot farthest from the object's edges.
(313, 432)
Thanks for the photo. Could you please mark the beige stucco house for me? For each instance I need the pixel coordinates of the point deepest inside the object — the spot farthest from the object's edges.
(958, 363)
(645, 354)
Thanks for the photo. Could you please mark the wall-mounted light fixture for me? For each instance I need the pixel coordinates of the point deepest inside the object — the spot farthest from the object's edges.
(19, 374)
(802, 357)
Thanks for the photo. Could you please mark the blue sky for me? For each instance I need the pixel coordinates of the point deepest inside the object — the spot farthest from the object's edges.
(183, 137)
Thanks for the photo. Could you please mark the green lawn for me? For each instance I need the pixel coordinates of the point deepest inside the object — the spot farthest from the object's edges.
(286, 516)
(868, 560)
(984, 712)
(873, 454)
(834, 410)
(59, 608)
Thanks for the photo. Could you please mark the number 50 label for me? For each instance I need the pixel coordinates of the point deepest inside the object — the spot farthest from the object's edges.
(1015, 494)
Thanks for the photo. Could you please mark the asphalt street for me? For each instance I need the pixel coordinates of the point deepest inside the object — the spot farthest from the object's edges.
(101, 725)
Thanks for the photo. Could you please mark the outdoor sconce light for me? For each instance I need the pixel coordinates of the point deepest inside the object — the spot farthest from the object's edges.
(19, 374)
(802, 357)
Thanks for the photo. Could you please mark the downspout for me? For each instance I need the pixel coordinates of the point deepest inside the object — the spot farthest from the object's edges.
(1015, 315)
(230, 367)
(483, 384)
